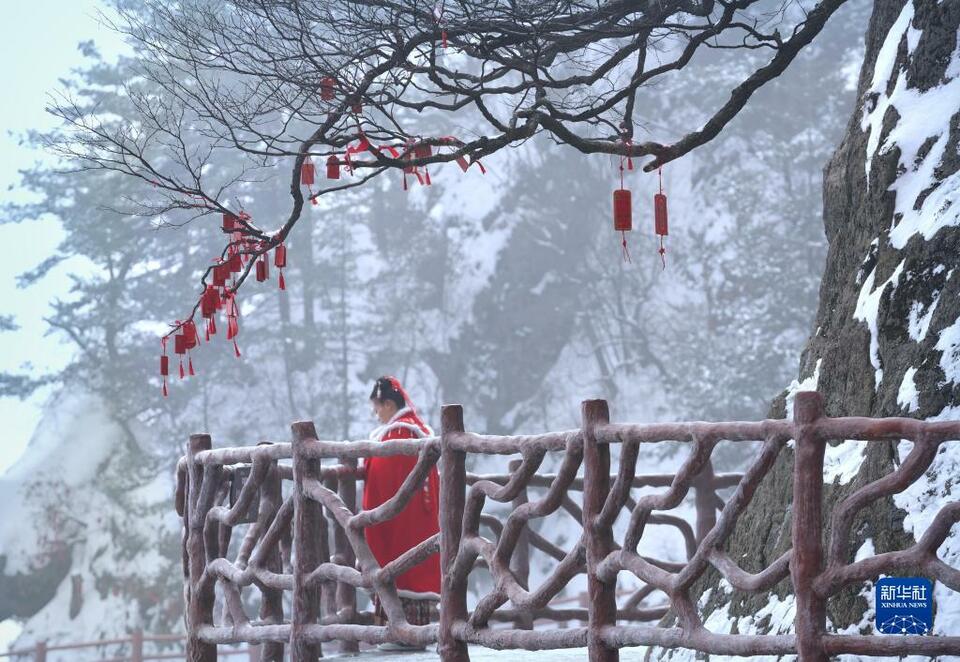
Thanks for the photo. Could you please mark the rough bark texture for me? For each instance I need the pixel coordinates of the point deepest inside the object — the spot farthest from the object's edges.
(858, 217)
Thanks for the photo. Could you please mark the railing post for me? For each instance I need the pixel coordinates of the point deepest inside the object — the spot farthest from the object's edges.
(602, 609)
(346, 593)
(40, 652)
(307, 520)
(453, 494)
(807, 562)
(328, 588)
(202, 492)
(521, 554)
(136, 646)
(253, 652)
(271, 602)
(705, 497)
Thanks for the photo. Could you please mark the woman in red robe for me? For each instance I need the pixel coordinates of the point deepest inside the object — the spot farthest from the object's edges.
(419, 519)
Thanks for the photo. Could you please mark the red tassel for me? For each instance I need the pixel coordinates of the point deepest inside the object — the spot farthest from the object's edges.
(427, 175)
(236, 349)
(181, 369)
(192, 373)
(333, 167)
(164, 387)
(283, 283)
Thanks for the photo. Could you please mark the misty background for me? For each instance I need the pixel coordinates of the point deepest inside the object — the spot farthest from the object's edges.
(505, 292)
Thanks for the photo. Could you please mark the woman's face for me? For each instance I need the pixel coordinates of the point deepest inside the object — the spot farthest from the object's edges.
(383, 409)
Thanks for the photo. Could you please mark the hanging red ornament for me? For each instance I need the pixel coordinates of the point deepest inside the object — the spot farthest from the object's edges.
(623, 217)
(164, 365)
(465, 165)
(424, 151)
(235, 262)
(333, 167)
(262, 268)
(208, 306)
(660, 213)
(326, 88)
(622, 211)
(306, 173)
(233, 325)
(190, 334)
(660, 218)
(220, 275)
(180, 348)
(280, 261)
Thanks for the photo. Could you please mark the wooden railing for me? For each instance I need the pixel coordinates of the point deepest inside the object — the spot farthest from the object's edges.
(136, 645)
(308, 540)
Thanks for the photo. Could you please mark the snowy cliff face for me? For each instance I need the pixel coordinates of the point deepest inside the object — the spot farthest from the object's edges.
(85, 531)
(887, 339)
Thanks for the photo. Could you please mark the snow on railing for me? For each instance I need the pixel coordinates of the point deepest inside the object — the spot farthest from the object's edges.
(308, 540)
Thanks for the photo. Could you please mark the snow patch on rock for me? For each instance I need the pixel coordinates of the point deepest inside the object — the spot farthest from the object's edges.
(841, 463)
(949, 345)
(921, 116)
(798, 386)
(867, 310)
(918, 320)
(908, 396)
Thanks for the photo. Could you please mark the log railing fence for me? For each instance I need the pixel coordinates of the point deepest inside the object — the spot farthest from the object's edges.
(303, 551)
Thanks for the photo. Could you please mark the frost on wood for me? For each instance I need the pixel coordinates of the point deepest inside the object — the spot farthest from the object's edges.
(302, 543)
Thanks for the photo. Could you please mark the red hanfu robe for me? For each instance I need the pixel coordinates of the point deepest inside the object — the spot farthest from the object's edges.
(418, 520)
